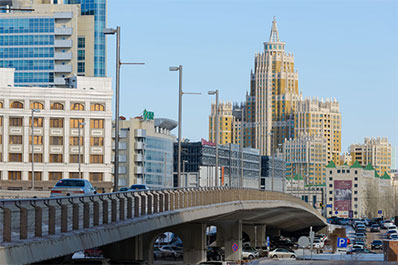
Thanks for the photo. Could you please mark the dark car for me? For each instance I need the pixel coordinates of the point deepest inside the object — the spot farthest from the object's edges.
(215, 253)
(375, 228)
(376, 244)
(138, 187)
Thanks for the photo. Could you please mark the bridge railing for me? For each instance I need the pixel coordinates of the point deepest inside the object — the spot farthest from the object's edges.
(23, 219)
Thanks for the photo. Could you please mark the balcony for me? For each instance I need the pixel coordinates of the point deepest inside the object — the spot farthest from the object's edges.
(138, 145)
(138, 170)
(59, 81)
(63, 31)
(122, 146)
(60, 68)
(63, 56)
(63, 15)
(138, 158)
(63, 43)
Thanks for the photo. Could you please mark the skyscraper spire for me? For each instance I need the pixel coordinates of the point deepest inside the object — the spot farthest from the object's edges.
(274, 36)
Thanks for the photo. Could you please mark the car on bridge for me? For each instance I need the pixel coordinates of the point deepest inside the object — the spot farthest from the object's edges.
(72, 187)
(218, 263)
(138, 187)
(376, 244)
(375, 228)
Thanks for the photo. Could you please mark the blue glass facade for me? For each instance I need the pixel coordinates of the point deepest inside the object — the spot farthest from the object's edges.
(27, 44)
(98, 9)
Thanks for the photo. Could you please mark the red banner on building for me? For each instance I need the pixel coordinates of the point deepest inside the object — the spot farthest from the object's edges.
(342, 195)
(204, 142)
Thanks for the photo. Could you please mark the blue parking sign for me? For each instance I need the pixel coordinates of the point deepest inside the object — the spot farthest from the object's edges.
(379, 212)
(341, 242)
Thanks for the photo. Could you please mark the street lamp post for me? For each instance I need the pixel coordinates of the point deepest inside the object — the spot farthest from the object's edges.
(217, 123)
(180, 93)
(79, 124)
(112, 31)
(33, 150)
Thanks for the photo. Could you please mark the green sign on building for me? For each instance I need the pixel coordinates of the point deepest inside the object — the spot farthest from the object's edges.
(147, 115)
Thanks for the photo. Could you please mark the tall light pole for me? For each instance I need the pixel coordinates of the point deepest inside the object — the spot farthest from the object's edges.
(33, 149)
(217, 136)
(112, 31)
(180, 93)
(79, 124)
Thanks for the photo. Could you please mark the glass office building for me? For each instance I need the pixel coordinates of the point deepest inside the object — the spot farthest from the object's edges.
(98, 9)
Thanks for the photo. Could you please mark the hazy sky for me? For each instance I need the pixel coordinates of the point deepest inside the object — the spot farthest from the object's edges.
(343, 49)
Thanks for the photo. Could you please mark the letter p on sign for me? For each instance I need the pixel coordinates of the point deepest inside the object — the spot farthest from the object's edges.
(341, 242)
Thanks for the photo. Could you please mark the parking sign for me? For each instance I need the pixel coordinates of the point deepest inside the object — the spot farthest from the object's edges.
(341, 242)
(379, 212)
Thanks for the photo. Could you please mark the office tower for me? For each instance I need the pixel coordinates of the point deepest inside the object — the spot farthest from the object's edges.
(374, 151)
(273, 96)
(318, 117)
(48, 41)
(57, 113)
(146, 151)
(306, 156)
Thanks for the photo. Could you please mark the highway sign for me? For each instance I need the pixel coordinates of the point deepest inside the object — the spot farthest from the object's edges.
(303, 241)
(341, 242)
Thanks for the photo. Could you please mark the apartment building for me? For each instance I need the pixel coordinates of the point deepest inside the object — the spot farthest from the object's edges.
(375, 151)
(60, 117)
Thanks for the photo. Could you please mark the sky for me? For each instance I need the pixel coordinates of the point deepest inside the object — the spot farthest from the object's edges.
(346, 50)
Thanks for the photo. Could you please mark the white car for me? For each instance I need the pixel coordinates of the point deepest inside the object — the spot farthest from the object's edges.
(387, 224)
(393, 236)
(357, 247)
(318, 243)
(249, 253)
(281, 253)
(391, 227)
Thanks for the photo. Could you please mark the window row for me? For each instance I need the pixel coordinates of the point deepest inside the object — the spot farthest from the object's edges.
(56, 122)
(54, 176)
(56, 158)
(54, 140)
(54, 105)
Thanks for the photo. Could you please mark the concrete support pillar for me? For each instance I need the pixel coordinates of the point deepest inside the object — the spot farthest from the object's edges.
(250, 230)
(128, 249)
(194, 243)
(231, 232)
(260, 236)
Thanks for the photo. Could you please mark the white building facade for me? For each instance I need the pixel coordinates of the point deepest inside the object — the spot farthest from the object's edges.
(86, 102)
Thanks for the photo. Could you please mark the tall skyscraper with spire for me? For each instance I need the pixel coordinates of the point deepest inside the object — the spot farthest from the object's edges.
(273, 96)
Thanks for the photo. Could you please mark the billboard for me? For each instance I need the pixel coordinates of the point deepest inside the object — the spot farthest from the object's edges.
(342, 195)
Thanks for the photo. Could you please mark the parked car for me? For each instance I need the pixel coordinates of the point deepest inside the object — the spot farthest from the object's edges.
(282, 253)
(393, 236)
(215, 253)
(360, 235)
(218, 263)
(138, 187)
(72, 187)
(91, 260)
(361, 251)
(391, 232)
(386, 224)
(317, 243)
(391, 227)
(168, 252)
(124, 189)
(376, 244)
(357, 246)
(375, 228)
(249, 253)
(157, 254)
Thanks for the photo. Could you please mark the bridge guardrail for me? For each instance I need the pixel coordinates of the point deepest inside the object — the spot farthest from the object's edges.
(23, 219)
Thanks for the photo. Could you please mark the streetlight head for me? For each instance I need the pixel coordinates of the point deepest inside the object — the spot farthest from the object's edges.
(109, 31)
(35, 110)
(174, 68)
(211, 92)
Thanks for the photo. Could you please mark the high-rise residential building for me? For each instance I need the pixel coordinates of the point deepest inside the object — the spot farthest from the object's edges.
(59, 112)
(306, 156)
(230, 123)
(375, 151)
(52, 40)
(320, 118)
(273, 95)
(146, 151)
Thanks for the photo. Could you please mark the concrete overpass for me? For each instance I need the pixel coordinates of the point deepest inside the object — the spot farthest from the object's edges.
(126, 224)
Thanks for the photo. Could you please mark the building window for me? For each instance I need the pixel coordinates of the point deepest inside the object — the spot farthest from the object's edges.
(81, 55)
(37, 175)
(15, 121)
(1, 105)
(96, 159)
(76, 106)
(356, 172)
(96, 124)
(15, 139)
(74, 141)
(15, 157)
(81, 42)
(57, 106)
(356, 199)
(338, 170)
(96, 176)
(331, 172)
(36, 105)
(330, 192)
(75, 159)
(81, 67)
(348, 171)
(1, 121)
(74, 123)
(343, 171)
(97, 141)
(74, 175)
(37, 139)
(355, 192)
(38, 122)
(330, 185)
(54, 175)
(56, 123)
(56, 140)
(14, 175)
(38, 157)
(356, 179)
(330, 178)
(97, 107)
(330, 199)
(356, 185)
(56, 158)
(16, 105)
